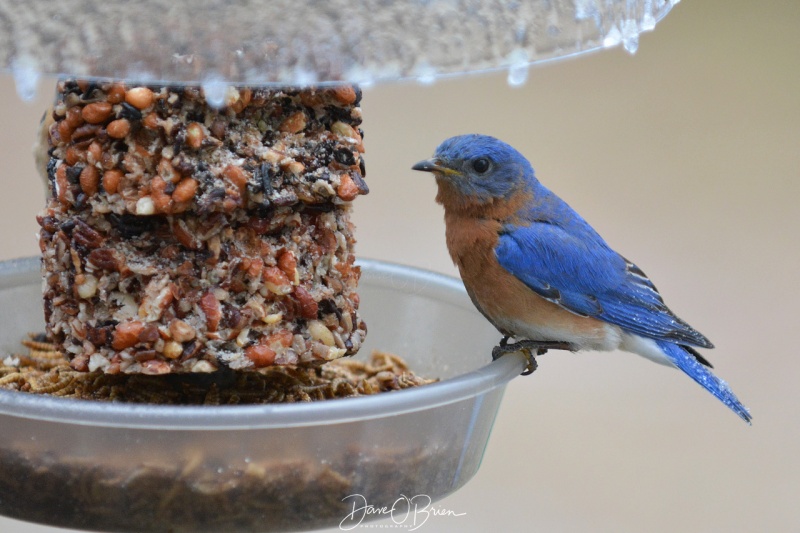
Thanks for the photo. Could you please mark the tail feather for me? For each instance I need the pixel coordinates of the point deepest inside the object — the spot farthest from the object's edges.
(686, 361)
(697, 356)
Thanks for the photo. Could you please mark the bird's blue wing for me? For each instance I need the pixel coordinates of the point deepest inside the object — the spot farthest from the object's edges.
(579, 272)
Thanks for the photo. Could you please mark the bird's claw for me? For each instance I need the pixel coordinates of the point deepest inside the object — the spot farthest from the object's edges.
(532, 364)
(529, 348)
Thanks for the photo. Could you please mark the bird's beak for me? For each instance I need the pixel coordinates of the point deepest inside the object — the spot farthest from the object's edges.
(434, 165)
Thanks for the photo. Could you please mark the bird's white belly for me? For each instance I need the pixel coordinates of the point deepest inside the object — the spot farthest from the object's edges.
(611, 338)
(606, 338)
(645, 347)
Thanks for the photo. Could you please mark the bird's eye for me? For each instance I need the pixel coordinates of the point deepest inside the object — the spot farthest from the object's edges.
(480, 165)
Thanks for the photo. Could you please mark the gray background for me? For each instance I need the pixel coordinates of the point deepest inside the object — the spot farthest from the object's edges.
(686, 158)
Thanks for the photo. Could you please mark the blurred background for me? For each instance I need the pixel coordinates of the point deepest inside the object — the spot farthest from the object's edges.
(686, 158)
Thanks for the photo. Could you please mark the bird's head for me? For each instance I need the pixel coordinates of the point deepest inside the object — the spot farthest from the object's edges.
(477, 169)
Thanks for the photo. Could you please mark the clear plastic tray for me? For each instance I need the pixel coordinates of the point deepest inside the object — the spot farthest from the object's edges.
(123, 467)
(302, 42)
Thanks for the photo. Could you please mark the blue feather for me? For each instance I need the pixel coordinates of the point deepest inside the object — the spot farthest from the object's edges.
(695, 370)
(575, 269)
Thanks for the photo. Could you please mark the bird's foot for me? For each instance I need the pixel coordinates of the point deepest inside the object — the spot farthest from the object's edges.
(541, 347)
(529, 348)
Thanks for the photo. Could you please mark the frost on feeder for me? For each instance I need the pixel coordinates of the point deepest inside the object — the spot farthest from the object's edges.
(306, 42)
(182, 238)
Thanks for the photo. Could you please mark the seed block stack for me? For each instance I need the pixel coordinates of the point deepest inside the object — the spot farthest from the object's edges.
(183, 238)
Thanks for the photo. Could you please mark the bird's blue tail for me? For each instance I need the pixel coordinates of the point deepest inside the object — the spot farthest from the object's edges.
(695, 370)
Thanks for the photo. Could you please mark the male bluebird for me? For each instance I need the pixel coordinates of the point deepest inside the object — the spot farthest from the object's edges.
(539, 272)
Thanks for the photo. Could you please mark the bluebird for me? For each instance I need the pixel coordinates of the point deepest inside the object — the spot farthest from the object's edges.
(543, 276)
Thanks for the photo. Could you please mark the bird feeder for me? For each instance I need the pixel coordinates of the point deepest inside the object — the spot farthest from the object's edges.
(286, 467)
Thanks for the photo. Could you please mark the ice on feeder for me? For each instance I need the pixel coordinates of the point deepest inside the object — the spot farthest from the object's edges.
(518, 69)
(425, 74)
(630, 36)
(26, 78)
(293, 42)
(214, 89)
(648, 22)
(613, 37)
